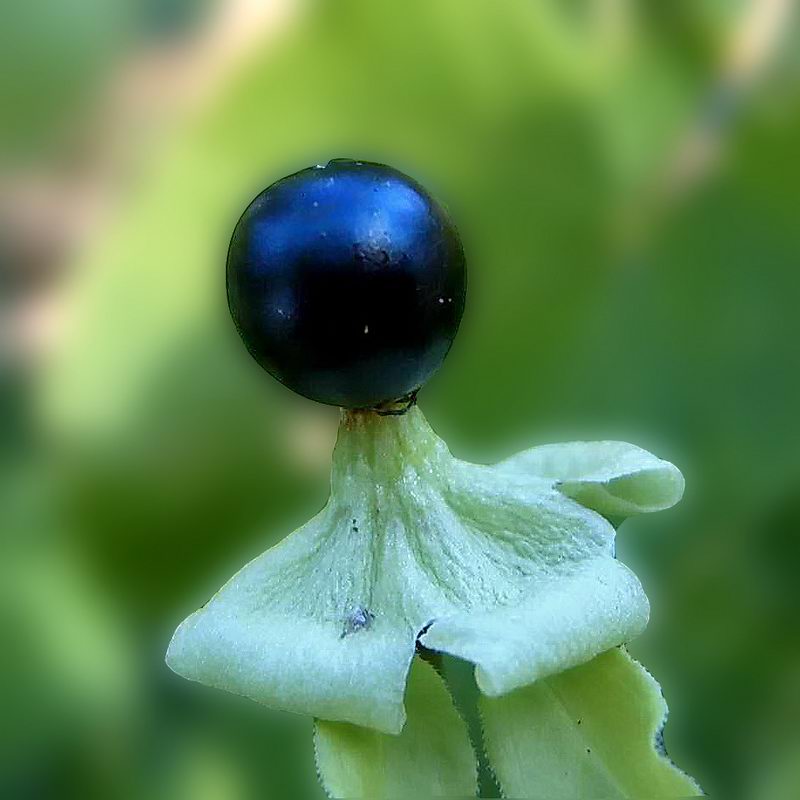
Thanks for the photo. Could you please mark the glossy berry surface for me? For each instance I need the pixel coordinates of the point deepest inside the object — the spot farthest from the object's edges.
(347, 283)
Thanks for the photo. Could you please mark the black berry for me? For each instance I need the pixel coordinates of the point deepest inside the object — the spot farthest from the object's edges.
(347, 283)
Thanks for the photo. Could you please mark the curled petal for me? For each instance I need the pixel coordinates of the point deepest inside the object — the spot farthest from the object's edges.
(561, 625)
(615, 479)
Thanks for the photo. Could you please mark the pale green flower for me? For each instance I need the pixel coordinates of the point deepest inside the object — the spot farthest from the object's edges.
(511, 567)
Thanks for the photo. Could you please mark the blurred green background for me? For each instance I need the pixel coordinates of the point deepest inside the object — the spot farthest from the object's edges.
(626, 177)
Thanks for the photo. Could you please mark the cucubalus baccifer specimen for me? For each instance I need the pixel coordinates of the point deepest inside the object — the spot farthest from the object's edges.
(347, 283)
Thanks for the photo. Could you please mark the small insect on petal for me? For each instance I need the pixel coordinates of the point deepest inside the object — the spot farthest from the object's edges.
(359, 619)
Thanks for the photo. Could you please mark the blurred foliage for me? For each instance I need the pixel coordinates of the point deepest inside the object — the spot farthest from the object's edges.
(160, 456)
(56, 56)
(51, 60)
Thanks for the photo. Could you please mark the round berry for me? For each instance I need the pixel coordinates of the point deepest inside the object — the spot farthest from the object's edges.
(347, 283)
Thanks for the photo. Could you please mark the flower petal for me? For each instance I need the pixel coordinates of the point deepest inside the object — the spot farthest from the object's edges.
(432, 757)
(491, 564)
(593, 731)
(613, 478)
(564, 623)
(294, 630)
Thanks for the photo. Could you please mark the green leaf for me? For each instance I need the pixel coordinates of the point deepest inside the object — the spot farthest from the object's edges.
(615, 479)
(495, 567)
(593, 731)
(432, 757)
